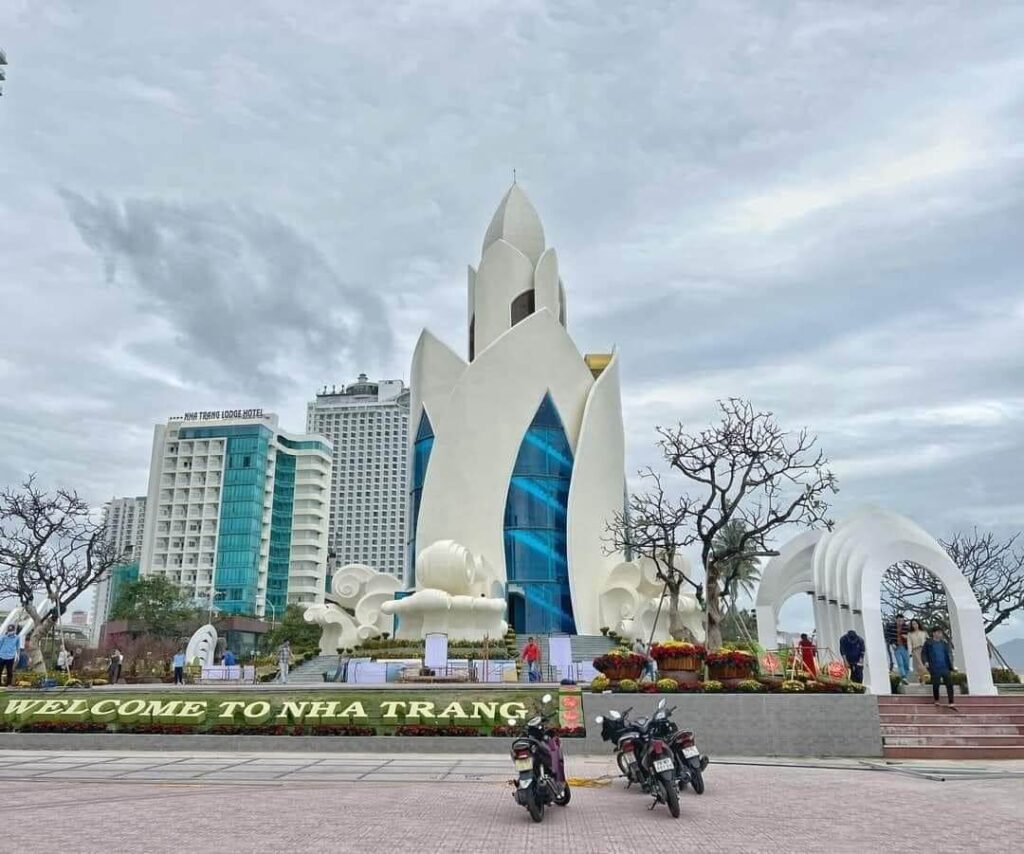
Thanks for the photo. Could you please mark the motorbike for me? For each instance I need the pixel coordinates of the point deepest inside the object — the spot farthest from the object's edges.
(540, 765)
(632, 737)
(689, 761)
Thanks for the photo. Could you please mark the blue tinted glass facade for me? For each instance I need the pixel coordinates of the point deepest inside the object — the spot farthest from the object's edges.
(305, 445)
(422, 446)
(535, 518)
(281, 531)
(241, 516)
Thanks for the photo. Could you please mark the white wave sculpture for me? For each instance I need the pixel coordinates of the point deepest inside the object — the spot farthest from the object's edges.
(352, 610)
(202, 646)
(458, 594)
(629, 598)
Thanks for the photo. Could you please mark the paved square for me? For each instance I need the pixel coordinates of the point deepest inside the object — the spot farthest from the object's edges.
(248, 803)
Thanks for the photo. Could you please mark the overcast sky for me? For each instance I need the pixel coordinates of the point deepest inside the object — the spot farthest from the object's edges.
(818, 206)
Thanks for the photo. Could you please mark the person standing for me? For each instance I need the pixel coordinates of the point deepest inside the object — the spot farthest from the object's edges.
(114, 666)
(10, 646)
(640, 648)
(229, 659)
(178, 663)
(808, 653)
(531, 657)
(851, 648)
(284, 660)
(916, 639)
(63, 659)
(938, 656)
(900, 652)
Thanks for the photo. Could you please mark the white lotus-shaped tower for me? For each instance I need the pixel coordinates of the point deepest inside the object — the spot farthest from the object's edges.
(517, 454)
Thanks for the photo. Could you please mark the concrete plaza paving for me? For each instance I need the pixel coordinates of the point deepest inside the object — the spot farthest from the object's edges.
(135, 802)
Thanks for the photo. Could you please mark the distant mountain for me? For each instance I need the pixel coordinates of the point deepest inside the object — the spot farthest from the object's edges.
(1013, 652)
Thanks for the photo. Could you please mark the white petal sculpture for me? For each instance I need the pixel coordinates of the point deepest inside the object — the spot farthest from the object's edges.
(202, 646)
(518, 451)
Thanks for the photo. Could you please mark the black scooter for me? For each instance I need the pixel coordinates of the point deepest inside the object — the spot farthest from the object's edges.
(540, 765)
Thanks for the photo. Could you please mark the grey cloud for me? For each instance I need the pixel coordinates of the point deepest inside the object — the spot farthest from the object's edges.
(247, 297)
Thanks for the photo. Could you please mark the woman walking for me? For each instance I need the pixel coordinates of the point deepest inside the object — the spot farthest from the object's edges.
(916, 638)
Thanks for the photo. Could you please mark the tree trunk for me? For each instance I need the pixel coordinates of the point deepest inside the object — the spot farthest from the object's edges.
(35, 652)
(676, 629)
(714, 610)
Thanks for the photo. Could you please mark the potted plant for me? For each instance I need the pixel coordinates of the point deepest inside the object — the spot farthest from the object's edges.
(667, 686)
(727, 664)
(620, 664)
(678, 655)
(628, 686)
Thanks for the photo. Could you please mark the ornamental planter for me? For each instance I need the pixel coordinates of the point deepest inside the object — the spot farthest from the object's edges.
(680, 662)
(624, 671)
(726, 672)
(683, 677)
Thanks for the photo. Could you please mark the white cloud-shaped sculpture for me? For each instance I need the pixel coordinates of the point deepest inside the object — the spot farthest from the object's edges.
(453, 597)
(628, 602)
(202, 646)
(352, 610)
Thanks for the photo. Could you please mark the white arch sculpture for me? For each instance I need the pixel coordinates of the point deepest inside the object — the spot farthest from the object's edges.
(843, 571)
(202, 646)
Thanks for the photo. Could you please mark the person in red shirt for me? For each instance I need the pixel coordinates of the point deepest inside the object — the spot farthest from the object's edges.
(531, 657)
(808, 651)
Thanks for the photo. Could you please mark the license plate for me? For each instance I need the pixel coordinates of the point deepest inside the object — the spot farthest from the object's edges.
(690, 752)
(524, 765)
(630, 759)
(663, 765)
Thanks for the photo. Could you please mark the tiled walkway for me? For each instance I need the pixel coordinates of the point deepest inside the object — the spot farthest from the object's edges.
(132, 802)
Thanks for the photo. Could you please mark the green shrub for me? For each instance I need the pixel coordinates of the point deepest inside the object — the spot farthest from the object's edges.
(667, 686)
(627, 686)
(749, 686)
(600, 683)
(792, 686)
(1005, 676)
(712, 686)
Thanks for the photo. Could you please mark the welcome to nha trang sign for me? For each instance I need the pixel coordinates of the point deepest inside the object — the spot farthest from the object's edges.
(363, 712)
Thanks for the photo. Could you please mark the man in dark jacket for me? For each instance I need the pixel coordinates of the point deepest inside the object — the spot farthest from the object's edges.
(851, 648)
(937, 655)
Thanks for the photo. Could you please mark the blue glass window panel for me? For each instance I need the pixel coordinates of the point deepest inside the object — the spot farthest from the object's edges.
(281, 531)
(535, 521)
(422, 446)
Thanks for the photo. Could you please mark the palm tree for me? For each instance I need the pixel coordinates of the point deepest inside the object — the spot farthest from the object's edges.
(741, 571)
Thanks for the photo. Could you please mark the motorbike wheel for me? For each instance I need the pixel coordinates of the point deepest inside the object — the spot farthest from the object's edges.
(697, 781)
(668, 790)
(535, 807)
(624, 768)
(565, 797)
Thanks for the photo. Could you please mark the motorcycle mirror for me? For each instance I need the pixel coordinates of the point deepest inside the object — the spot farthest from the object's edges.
(661, 703)
(599, 720)
(512, 721)
(614, 715)
(546, 698)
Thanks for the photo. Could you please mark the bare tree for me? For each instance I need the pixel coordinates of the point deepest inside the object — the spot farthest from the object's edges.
(651, 527)
(744, 469)
(50, 545)
(994, 568)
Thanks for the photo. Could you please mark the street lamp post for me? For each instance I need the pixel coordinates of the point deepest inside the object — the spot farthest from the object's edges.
(213, 598)
(273, 613)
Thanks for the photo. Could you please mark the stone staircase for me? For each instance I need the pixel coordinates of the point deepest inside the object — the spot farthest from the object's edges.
(980, 728)
(312, 672)
(584, 648)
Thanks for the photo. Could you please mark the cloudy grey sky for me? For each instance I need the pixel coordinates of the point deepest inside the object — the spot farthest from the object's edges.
(814, 205)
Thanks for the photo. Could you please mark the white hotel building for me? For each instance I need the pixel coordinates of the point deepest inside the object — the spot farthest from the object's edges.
(125, 520)
(368, 425)
(238, 511)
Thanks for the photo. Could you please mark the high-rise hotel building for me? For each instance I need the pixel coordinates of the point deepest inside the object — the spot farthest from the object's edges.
(124, 519)
(368, 424)
(238, 511)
